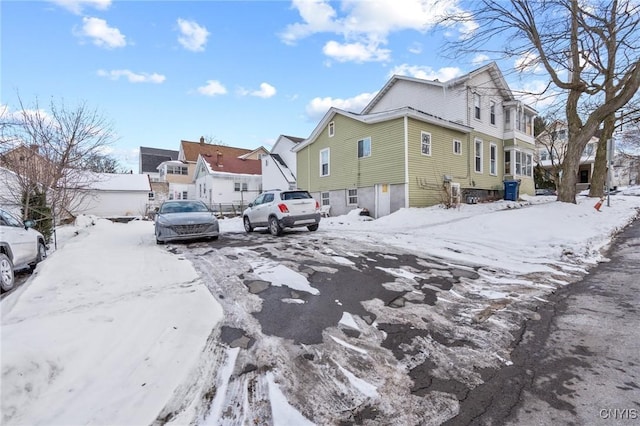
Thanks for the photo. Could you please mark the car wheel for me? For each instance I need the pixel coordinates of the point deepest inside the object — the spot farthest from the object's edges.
(312, 227)
(42, 255)
(247, 224)
(7, 278)
(274, 226)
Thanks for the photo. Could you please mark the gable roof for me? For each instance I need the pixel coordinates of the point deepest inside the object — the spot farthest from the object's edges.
(491, 68)
(191, 150)
(218, 162)
(255, 152)
(381, 117)
(151, 158)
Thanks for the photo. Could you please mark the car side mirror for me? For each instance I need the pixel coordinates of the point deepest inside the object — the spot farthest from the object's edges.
(29, 223)
(250, 205)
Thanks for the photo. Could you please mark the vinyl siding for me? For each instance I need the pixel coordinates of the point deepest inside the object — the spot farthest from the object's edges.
(486, 180)
(346, 170)
(426, 173)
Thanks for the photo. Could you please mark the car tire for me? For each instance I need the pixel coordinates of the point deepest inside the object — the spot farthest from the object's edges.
(247, 225)
(274, 226)
(159, 242)
(7, 278)
(312, 227)
(42, 255)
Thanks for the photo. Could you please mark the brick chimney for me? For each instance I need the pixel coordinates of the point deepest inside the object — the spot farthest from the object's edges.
(201, 140)
(219, 159)
(35, 148)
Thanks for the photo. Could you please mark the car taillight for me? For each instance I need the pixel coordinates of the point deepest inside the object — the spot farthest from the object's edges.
(317, 205)
(283, 208)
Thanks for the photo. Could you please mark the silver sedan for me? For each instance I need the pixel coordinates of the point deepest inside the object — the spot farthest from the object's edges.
(180, 220)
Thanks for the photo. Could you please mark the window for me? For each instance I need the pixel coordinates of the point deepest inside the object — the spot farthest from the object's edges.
(457, 147)
(528, 163)
(152, 196)
(519, 157)
(185, 195)
(352, 196)
(324, 197)
(492, 112)
(426, 143)
(324, 162)
(493, 159)
(177, 170)
(478, 156)
(332, 129)
(588, 151)
(364, 148)
(240, 186)
(476, 105)
(507, 163)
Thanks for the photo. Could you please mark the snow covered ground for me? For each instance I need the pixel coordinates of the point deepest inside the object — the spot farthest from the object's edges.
(113, 329)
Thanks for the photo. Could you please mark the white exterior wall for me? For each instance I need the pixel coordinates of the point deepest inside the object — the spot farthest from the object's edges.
(273, 175)
(115, 203)
(180, 188)
(485, 87)
(219, 188)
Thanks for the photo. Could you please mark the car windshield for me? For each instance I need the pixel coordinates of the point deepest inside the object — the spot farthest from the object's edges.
(7, 219)
(182, 207)
(295, 195)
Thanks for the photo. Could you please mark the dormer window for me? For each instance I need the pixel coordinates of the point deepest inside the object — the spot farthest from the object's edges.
(332, 129)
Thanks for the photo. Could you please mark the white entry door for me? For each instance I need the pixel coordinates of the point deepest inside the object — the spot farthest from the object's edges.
(383, 199)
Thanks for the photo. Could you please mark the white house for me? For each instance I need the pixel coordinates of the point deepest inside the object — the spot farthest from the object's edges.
(226, 182)
(279, 167)
(114, 195)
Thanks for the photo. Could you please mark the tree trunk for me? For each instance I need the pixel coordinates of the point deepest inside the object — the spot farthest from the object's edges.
(601, 168)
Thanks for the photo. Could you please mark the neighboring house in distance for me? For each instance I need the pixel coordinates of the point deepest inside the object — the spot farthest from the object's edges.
(419, 143)
(279, 167)
(626, 170)
(551, 148)
(225, 181)
(151, 158)
(114, 195)
(10, 182)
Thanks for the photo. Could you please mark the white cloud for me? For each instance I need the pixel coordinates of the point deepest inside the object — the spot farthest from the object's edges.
(415, 48)
(529, 62)
(426, 73)
(480, 58)
(101, 33)
(318, 107)
(212, 88)
(537, 94)
(77, 6)
(193, 36)
(355, 52)
(364, 25)
(266, 91)
(133, 77)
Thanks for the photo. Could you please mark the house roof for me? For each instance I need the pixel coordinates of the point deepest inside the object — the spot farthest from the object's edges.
(293, 139)
(381, 117)
(151, 158)
(219, 162)
(191, 150)
(491, 68)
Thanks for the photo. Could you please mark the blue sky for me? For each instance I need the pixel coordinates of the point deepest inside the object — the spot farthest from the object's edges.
(242, 72)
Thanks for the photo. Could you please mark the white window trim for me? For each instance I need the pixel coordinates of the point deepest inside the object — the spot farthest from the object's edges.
(454, 146)
(477, 115)
(328, 150)
(421, 143)
(368, 138)
(327, 198)
(492, 113)
(475, 152)
(493, 162)
(331, 129)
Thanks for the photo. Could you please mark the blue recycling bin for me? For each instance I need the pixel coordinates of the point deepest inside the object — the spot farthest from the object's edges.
(511, 190)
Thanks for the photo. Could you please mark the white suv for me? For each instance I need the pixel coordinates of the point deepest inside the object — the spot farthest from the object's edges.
(278, 209)
(21, 247)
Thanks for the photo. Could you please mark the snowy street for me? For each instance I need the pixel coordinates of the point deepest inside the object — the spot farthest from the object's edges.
(387, 321)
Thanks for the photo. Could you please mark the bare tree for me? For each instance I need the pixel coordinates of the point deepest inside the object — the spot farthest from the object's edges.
(49, 150)
(587, 48)
(555, 145)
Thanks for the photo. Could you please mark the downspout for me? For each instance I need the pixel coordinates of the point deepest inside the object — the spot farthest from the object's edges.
(406, 162)
(469, 135)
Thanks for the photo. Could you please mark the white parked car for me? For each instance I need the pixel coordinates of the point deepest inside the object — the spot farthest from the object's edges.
(21, 247)
(278, 209)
